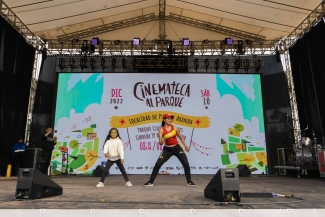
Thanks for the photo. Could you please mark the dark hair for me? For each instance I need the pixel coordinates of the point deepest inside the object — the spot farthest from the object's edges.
(108, 137)
(163, 123)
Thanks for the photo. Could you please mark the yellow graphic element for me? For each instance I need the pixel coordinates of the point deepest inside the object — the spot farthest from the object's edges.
(261, 156)
(170, 134)
(233, 132)
(156, 117)
(91, 158)
(248, 158)
(239, 147)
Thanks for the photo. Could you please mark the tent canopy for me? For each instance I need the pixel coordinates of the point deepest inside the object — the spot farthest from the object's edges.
(270, 19)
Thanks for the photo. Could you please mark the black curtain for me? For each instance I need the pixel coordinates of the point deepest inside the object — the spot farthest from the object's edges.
(43, 113)
(308, 65)
(16, 68)
(278, 122)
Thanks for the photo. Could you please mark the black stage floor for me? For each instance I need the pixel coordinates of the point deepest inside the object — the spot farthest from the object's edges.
(168, 192)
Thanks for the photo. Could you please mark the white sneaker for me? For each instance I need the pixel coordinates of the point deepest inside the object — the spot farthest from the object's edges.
(128, 184)
(100, 185)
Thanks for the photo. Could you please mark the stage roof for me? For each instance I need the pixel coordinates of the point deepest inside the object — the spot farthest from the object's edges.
(271, 19)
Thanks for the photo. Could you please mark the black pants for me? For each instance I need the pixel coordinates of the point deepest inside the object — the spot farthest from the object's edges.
(164, 156)
(46, 160)
(19, 158)
(109, 164)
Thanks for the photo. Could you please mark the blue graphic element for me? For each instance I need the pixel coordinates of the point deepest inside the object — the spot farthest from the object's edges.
(251, 102)
(75, 91)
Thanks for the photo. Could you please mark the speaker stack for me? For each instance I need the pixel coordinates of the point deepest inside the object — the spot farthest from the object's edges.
(32, 184)
(224, 186)
(243, 170)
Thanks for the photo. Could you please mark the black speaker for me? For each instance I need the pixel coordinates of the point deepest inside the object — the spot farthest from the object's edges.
(243, 170)
(32, 184)
(99, 171)
(224, 186)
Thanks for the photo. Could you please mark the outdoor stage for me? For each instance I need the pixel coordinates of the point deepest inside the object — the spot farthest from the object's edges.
(168, 192)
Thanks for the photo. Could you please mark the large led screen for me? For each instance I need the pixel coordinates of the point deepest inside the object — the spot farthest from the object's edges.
(219, 115)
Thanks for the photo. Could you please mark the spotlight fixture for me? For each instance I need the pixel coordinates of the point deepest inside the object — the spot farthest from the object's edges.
(117, 42)
(71, 63)
(102, 63)
(134, 63)
(226, 64)
(239, 47)
(123, 63)
(216, 64)
(186, 42)
(249, 42)
(94, 41)
(246, 64)
(85, 46)
(205, 41)
(196, 64)
(92, 63)
(83, 63)
(113, 63)
(136, 41)
(258, 65)
(237, 64)
(74, 41)
(206, 64)
(61, 63)
(229, 41)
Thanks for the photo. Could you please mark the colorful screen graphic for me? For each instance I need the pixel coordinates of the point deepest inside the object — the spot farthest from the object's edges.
(219, 115)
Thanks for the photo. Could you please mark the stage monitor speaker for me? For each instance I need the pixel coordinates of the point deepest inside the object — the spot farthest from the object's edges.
(243, 170)
(224, 186)
(99, 171)
(32, 184)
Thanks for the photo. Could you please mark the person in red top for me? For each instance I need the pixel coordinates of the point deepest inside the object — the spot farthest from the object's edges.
(168, 135)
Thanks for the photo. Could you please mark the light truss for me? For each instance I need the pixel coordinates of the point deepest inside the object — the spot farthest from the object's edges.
(20, 27)
(215, 27)
(159, 47)
(283, 46)
(162, 26)
(161, 64)
(311, 20)
(162, 34)
(108, 27)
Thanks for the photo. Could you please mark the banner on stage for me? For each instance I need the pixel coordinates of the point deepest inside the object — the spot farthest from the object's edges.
(219, 115)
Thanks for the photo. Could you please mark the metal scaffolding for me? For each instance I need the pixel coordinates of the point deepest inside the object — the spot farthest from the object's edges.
(152, 47)
(159, 64)
(162, 13)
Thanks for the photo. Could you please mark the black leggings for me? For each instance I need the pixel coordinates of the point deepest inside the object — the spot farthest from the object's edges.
(110, 163)
(164, 156)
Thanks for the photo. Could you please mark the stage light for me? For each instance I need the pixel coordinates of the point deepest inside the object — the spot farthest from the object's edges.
(229, 41)
(216, 64)
(92, 63)
(102, 63)
(237, 64)
(186, 42)
(136, 41)
(239, 47)
(196, 64)
(61, 63)
(117, 42)
(94, 41)
(205, 41)
(83, 63)
(258, 65)
(123, 63)
(206, 64)
(71, 63)
(226, 64)
(249, 42)
(170, 48)
(246, 64)
(113, 63)
(84, 47)
(74, 41)
(92, 48)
